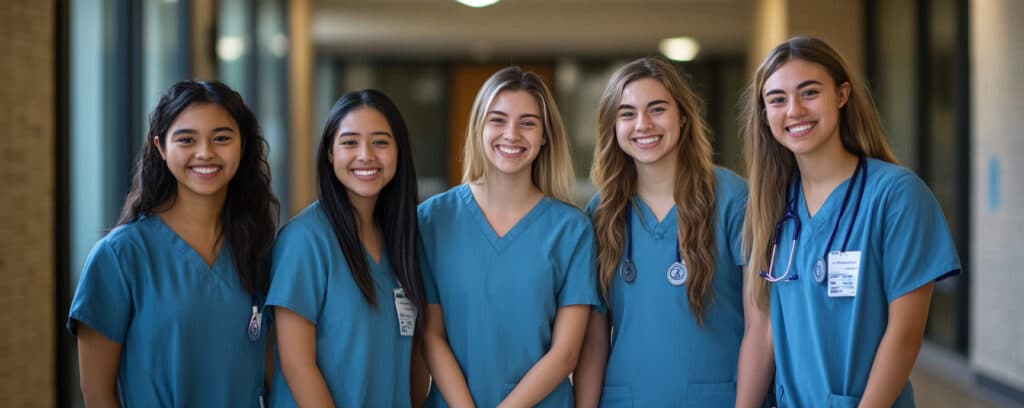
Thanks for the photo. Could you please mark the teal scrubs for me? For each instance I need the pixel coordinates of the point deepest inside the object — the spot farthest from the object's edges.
(659, 356)
(824, 346)
(181, 323)
(500, 295)
(360, 352)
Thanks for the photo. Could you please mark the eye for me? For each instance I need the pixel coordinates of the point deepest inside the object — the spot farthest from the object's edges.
(221, 138)
(496, 120)
(775, 100)
(382, 142)
(347, 142)
(529, 124)
(808, 93)
(184, 140)
(658, 109)
(626, 114)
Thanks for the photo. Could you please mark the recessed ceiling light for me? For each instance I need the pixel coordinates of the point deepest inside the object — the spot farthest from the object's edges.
(477, 3)
(679, 48)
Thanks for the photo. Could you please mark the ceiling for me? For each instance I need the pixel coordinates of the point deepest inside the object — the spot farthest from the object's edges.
(529, 28)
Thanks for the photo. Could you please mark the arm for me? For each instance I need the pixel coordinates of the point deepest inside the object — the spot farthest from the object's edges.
(447, 374)
(757, 358)
(588, 379)
(98, 361)
(419, 376)
(296, 339)
(557, 363)
(899, 347)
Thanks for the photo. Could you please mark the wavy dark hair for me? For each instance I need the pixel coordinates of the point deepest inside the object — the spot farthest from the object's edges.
(249, 218)
(395, 210)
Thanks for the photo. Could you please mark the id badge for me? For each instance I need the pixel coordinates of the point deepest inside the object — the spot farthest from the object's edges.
(843, 273)
(406, 313)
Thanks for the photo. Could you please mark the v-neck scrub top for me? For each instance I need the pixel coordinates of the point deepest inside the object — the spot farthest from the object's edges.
(659, 356)
(825, 346)
(500, 295)
(360, 351)
(180, 322)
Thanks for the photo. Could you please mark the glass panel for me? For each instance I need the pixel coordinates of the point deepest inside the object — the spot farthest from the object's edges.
(894, 87)
(943, 164)
(271, 92)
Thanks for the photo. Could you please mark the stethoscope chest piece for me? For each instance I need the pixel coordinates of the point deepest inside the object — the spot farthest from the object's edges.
(676, 273)
(628, 271)
(820, 271)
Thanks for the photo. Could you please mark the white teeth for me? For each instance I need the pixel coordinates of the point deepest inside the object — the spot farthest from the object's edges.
(205, 170)
(511, 150)
(801, 128)
(365, 173)
(647, 140)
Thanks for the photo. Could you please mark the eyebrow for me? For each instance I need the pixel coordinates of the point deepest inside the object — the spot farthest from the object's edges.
(525, 115)
(193, 131)
(374, 133)
(649, 104)
(802, 85)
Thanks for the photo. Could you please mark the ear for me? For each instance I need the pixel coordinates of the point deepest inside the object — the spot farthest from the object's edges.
(844, 94)
(156, 144)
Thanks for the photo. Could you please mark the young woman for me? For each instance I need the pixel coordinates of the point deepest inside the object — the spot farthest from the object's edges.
(848, 244)
(509, 265)
(167, 310)
(668, 225)
(346, 286)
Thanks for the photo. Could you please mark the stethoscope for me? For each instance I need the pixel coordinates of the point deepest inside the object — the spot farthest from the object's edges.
(676, 272)
(792, 193)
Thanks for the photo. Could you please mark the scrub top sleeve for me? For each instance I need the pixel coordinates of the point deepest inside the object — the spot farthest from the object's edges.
(579, 284)
(917, 247)
(103, 300)
(299, 270)
(592, 205)
(429, 285)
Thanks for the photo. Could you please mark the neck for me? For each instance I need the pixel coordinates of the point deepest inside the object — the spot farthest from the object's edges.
(197, 213)
(363, 207)
(656, 182)
(504, 191)
(825, 170)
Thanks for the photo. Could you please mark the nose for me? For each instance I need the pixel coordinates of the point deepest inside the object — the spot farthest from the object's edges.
(204, 149)
(643, 121)
(364, 152)
(795, 108)
(511, 131)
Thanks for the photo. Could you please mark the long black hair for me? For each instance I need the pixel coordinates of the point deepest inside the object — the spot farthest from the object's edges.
(249, 218)
(394, 211)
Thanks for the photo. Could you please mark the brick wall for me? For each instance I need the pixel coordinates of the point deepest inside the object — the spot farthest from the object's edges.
(27, 343)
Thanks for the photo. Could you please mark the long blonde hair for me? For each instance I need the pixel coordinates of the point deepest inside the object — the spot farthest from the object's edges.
(551, 171)
(770, 165)
(614, 174)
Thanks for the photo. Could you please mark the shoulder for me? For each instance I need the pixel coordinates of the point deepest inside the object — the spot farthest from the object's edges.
(130, 238)
(592, 204)
(892, 181)
(730, 189)
(442, 205)
(728, 183)
(567, 215)
(311, 221)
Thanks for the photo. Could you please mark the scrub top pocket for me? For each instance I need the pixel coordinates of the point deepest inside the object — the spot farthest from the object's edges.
(711, 395)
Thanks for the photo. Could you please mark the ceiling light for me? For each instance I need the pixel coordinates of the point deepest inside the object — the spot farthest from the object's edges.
(679, 48)
(477, 3)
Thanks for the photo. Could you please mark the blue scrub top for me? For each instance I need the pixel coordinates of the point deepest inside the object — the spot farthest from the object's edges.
(500, 295)
(659, 356)
(360, 352)
(181, 323)
(824, 347)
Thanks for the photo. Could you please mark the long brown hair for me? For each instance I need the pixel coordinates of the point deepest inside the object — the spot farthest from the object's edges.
(770, 165)
(551, 171)
(614, 174)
